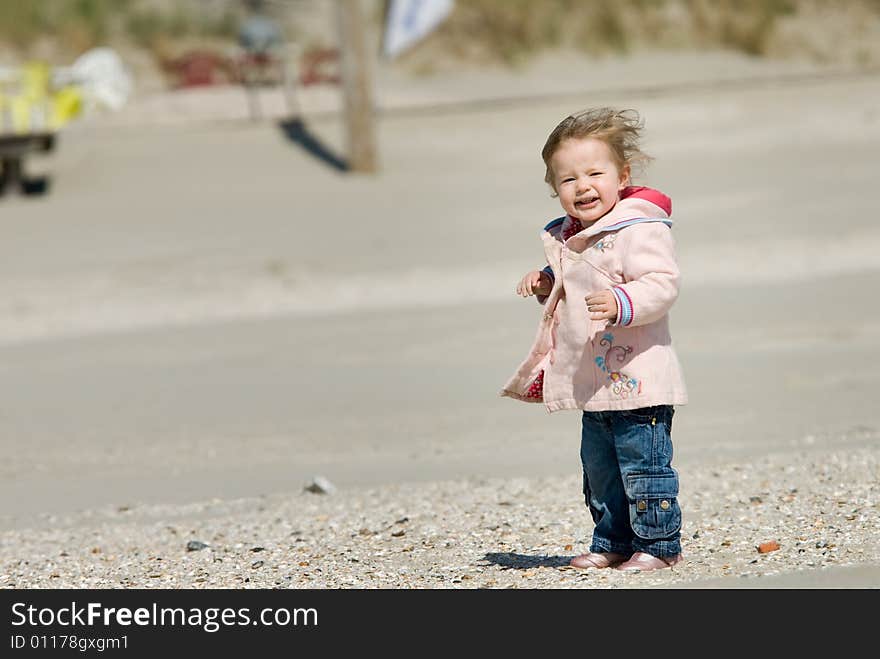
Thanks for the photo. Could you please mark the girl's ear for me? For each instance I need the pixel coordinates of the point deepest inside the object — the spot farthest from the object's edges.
(624, 177)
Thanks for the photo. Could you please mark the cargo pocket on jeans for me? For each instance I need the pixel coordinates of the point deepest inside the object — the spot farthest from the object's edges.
(653, 507)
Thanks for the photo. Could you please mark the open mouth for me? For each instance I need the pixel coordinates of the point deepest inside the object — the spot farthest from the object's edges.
(586, 203)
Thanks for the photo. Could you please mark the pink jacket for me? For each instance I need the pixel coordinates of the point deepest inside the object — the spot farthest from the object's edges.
(578, 363)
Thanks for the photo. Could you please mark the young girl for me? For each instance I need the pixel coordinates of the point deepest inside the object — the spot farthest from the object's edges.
(603, 343)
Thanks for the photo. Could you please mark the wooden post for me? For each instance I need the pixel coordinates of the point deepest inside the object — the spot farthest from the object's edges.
(357, 84)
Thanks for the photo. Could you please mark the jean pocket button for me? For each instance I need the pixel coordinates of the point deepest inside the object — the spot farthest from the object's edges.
(642, 505)
(664, 505)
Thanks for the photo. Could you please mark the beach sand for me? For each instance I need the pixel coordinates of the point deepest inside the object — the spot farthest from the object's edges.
(200, 317)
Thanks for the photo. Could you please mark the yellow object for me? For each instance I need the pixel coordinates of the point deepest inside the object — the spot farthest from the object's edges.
(30, 105)
(22, 110)
(35, 80)
(66, 104)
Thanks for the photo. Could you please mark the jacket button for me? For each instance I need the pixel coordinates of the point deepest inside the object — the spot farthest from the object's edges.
(642, 505)
(664, 505)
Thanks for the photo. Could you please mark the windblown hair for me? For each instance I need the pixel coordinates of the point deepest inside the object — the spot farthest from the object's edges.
(619, 129)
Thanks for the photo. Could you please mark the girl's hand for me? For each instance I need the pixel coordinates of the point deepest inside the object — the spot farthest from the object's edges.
(602, 305)
(534, 283)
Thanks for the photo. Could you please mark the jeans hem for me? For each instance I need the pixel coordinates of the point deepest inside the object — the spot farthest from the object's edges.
(602, 545)
(660, 549)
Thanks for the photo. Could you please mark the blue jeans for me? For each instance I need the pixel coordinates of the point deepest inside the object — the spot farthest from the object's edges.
(630, 486)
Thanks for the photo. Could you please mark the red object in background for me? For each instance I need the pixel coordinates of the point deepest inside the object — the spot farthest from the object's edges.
(199, 68)
(312, 63)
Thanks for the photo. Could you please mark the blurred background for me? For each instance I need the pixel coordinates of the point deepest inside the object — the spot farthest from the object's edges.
(245, 243)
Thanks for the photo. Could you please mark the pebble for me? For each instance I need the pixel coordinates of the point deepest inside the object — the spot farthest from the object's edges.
(767, 547)
(320, 485)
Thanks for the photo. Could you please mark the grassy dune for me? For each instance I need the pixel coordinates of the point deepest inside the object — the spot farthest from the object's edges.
(497, 31)
(522, 28)
(77, 25)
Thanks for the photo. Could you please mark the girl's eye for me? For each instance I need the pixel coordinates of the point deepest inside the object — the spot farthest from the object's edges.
(596, 174)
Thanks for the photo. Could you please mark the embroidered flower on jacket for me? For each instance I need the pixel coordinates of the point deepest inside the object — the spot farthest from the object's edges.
(605, 242)
(622, 384)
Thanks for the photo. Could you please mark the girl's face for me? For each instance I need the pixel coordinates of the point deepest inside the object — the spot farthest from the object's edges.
(586, 178)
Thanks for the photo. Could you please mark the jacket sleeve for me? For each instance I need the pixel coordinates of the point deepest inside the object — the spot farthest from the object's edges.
(651, 275)
(555, 228)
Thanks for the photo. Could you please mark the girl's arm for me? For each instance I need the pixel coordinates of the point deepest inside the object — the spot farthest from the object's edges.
(650, 273)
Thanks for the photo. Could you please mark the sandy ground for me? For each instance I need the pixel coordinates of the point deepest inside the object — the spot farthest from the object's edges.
(510, 532)
(201, 310)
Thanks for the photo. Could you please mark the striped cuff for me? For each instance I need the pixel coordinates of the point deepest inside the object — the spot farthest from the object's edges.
(624, 307)
(550, 274)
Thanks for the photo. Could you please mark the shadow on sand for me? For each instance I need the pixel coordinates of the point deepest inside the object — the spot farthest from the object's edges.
(514, 561)
(296, 131)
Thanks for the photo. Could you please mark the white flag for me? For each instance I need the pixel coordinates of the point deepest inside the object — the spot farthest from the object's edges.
(411, 20)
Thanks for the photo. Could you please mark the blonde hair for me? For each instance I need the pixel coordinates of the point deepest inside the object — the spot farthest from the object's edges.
(619, 129)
